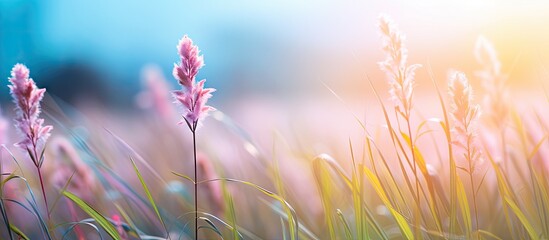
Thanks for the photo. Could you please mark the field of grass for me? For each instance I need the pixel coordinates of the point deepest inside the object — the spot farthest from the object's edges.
(450, 163)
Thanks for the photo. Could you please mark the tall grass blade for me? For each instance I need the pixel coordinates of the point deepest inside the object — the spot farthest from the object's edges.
(464, 206)
(229, 202)
(107, 226)
(445, 125)
(321, 165)
(283, 217)
(348, 233)
(522, 218)
(401, 221)
(149, 196)
(18, 232)
(85, 222)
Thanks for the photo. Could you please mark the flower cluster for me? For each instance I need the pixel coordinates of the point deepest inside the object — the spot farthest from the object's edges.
(193, 96)
(493, 80)
(465, 114)
(401, 76)
(27, 97)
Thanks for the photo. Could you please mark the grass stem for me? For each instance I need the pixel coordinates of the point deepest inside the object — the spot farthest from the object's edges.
(195, 187)
(43, 191)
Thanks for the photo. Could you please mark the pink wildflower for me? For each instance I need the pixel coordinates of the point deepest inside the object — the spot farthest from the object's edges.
(27, 97)
(193, 96)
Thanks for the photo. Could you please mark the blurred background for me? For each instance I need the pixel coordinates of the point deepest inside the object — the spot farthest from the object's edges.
(94, 50)
(274, 66)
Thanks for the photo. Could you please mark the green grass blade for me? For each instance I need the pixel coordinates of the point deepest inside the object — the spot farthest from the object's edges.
(445, 125)
(283, 228)
(324, 186)
(109, 228)
(277, 209)
(522, 218)
(489, 234)
(149, 196)
(31, 203)
(464, 206)
(348, 234)
(83, 223)
(4, 213)
(232, 213)
(321, 166)
(18, 232)
(292, 219)
(357, 196)
(212, 226)
(288, 209)
(401, 221)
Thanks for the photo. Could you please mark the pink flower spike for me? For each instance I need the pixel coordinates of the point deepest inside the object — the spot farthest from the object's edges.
(193, 97)
(27, 97)
(191, 62)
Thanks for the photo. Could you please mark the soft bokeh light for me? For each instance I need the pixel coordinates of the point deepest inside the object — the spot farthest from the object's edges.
(287, 47)
(304, 110)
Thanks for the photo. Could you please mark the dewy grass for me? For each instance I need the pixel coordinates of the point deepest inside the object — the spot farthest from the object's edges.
(487, 179)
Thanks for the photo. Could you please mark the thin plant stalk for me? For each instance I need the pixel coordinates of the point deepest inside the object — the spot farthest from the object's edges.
(418, 208)
(195, 186)
(193, 128)
(470, 159)
(43, 190)
(38, 169)
(193, 98)
(465, 114)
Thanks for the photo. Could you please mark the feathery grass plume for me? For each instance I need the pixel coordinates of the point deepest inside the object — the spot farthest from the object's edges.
(27, 97)
(464, 111)
(465, 114)
(401, 76)
(401, 87)
(155, 93)
(493, 81)
(66, 163)
(193, 96)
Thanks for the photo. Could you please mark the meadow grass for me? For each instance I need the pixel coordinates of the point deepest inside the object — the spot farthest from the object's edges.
(459, 175)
